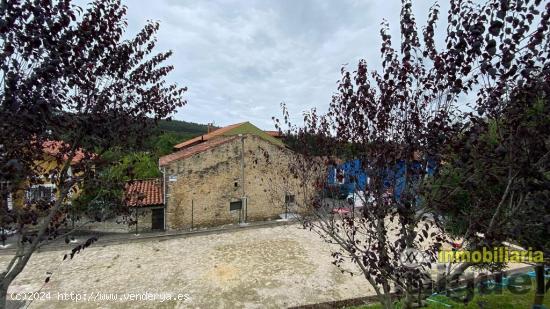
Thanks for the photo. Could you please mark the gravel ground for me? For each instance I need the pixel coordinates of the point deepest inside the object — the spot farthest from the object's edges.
(269, 267)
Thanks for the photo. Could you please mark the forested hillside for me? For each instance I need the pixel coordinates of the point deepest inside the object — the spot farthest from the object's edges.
(171, 132)
(123, 164)
(183, 128)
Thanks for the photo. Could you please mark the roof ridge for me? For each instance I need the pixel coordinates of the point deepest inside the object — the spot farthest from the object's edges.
(149, 178)
(209, 135)
(192, 150)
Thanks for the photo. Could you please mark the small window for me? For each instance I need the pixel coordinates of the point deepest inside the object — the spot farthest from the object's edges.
(236, 184)
(9, 201)
(41, 193)
(339, 176)
(6, 195)
(289, 198)
(237, 205)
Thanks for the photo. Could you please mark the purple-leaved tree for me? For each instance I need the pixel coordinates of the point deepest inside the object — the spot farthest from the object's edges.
(71, 88)
(398, 123)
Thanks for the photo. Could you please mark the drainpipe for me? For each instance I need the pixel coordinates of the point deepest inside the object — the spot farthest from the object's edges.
(164, 195)
(163, 172)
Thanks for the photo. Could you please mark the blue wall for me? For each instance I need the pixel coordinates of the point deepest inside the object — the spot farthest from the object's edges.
(355, 178)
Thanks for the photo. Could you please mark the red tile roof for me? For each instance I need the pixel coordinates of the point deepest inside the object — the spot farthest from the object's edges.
(53, 148)
(189, 151)
(207, 137)
(274, 133)
(143, 193)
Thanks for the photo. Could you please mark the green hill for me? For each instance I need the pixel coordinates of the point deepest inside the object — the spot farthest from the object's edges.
(171, 132)
(182, 127)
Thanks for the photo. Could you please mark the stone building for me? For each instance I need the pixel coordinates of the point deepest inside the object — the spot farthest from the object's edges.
(235, 174)
(145, 200)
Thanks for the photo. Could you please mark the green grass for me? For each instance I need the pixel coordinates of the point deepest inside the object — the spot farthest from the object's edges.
(504, 300)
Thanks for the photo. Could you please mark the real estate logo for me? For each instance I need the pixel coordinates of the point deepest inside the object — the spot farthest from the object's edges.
(413, 258)
(495, 255)
(463, 287)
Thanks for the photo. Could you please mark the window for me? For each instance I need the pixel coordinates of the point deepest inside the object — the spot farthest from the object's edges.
(237, 205)
(45, 192)
(6, 195)
(289, 198)
(339, 176)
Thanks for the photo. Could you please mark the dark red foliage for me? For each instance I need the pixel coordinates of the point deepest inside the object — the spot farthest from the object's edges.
(412, 110)
(69, 77)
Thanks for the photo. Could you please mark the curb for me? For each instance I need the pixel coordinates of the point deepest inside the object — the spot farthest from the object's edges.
(129, 237)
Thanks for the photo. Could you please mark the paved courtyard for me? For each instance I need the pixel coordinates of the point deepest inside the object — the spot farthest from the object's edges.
(271, 267)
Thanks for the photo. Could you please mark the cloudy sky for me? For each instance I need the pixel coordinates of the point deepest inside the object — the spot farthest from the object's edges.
(241, 59)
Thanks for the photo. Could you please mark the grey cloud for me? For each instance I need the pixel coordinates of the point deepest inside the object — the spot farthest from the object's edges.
(241, 59)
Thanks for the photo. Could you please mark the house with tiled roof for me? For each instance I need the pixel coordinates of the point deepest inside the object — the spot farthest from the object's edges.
(145, 198)
(233, 130)
(235, 174)
(53, 154)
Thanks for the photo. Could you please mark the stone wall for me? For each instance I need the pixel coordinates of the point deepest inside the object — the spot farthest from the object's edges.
(118, 224)
(200, 188)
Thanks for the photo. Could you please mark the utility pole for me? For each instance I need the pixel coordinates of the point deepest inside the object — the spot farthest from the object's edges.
(287, 201)
(243, 197)
(137, 215)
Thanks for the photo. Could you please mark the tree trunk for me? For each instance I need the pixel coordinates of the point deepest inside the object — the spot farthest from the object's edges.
(4, 294)
(539, 293)
(408, 301)
(23, 254)
(387, 296)
(387, 302)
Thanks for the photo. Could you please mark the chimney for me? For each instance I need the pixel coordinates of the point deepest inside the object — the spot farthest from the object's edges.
(208, 131)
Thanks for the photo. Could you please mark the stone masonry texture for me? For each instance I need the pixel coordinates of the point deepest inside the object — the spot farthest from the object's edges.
(199, 188)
